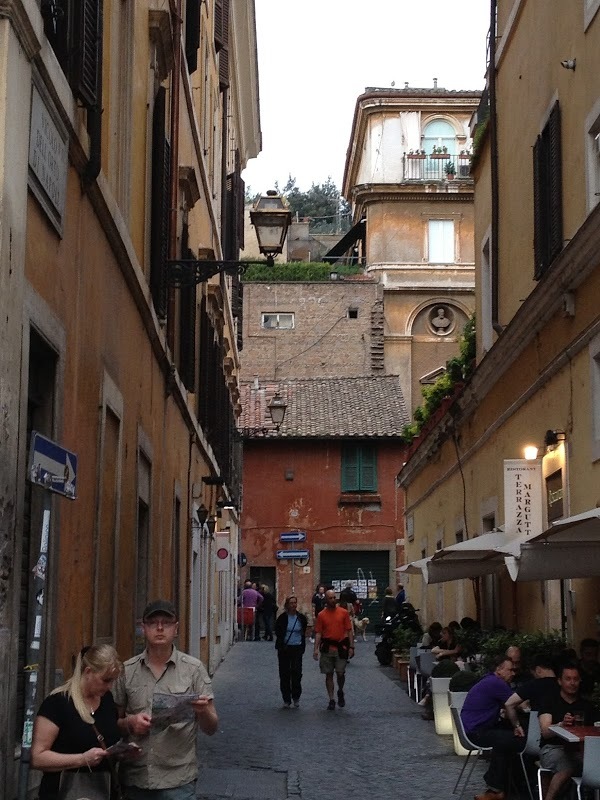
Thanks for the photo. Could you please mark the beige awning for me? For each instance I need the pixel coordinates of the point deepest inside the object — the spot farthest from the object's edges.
(569, 548)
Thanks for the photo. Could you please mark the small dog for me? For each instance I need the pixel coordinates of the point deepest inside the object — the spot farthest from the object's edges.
(360, 627)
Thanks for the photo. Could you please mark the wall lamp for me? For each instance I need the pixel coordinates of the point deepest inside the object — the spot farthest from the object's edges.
(276, 408)
(271, 219)
(551, 439)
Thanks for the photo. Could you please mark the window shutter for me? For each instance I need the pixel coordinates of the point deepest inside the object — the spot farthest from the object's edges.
(350, 469)
(219, 40)
(187, 326)
(538, 232)
(192, 34)
(223, 68)
(241, 204)
(555, 241)
(159, 233)
(88, 52)
(368, 469)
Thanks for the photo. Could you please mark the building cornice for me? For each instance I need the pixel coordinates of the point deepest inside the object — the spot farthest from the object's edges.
(21, 14)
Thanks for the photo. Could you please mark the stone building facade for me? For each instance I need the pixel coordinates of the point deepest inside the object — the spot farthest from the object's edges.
(113, 164)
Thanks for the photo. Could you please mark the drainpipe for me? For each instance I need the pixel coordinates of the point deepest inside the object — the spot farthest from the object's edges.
(174, 165)
(493, 123)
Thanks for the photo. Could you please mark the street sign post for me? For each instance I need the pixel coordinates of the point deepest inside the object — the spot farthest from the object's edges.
(292, 536)
(54, 469)
(292, 554)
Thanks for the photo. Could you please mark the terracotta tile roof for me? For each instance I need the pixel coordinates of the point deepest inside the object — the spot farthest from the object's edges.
(324, 408)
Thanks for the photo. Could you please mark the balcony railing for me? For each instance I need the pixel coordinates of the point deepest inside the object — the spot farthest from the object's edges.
(436, 167)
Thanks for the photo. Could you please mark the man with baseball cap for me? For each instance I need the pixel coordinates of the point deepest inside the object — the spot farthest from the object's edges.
(167, 768)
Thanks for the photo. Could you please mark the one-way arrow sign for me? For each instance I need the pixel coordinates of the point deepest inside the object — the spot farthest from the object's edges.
(292, 554)
(293, 536)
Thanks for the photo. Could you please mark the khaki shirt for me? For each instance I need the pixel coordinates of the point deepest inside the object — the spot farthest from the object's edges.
(169, 758)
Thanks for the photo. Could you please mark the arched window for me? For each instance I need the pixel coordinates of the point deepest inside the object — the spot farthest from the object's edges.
(438, 135)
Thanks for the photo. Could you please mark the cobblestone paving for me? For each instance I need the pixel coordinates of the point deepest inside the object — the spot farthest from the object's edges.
(376, 747)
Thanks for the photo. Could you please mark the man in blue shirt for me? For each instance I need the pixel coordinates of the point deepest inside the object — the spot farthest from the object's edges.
(483, 725)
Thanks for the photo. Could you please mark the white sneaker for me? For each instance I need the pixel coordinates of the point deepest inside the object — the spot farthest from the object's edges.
(312, 639)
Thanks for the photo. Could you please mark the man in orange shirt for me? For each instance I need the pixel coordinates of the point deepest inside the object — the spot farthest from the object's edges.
(334, 645)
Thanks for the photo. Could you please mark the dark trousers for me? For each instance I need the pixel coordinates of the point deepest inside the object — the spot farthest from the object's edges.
(506, 746)
(268, 623)
(290, 672)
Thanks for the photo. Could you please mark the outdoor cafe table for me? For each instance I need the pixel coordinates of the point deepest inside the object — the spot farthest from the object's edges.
(576, 733)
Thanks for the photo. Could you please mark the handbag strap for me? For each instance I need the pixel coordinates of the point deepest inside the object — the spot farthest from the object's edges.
(290, 633)
(113, 770)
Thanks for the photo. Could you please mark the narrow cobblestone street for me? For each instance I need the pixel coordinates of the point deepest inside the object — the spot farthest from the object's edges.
(377, 746)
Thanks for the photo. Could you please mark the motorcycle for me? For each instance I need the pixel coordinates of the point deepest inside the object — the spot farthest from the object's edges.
(406, 617)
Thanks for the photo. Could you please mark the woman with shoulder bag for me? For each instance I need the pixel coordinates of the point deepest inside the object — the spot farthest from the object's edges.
(290, 643)
(73, 727)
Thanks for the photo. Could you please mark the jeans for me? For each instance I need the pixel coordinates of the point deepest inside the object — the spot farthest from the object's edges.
(185, 792)
(506, 745)
(290, 672)
(268, 622)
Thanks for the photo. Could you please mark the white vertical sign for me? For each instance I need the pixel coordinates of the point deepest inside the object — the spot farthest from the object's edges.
(522, 497)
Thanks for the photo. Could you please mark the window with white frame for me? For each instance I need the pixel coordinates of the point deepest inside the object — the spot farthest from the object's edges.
(594, 351)
(593, 156)
(440, 241)
(487, 330)
(275, 321)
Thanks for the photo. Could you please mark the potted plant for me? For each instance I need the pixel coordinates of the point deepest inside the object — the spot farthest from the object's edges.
(402, 640)
(440, 682)
(450, 170)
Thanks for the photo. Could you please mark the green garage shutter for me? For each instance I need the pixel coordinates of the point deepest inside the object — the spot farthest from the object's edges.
(353, 565)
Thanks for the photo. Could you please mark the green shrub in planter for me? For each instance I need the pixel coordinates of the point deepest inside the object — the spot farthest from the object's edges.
(548, 644)
(463, 680)
(444, 669)
(403, 639)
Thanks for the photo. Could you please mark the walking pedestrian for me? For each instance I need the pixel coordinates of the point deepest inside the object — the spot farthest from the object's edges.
(290, 643)
(65, 733)
(334, 645)
(318, 604)
(168, 767)
(269, 609)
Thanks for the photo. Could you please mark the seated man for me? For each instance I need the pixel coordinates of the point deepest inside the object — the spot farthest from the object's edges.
(535, 691)
(565, 708)
(483, 725)
(589, 667)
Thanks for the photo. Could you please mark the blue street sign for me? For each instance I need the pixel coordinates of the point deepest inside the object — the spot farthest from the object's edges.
(291, 554)
(293, 536)
(52, 466)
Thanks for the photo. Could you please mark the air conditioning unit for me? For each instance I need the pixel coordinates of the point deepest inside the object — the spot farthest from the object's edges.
(464, 170)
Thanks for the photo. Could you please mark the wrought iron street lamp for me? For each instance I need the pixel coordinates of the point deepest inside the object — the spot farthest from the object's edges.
(276, 408)
(271, 219)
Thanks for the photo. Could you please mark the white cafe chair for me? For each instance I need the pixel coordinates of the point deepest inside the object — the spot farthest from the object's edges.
(532, 749)
(590, 776)
(470, 747)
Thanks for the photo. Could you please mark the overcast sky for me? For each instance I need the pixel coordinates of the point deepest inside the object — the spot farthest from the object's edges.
(316, 57)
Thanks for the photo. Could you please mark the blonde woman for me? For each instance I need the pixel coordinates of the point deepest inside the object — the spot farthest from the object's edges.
(63, 736)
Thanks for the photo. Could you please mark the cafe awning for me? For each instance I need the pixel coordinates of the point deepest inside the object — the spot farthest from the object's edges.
(481, 555)
(569, 548)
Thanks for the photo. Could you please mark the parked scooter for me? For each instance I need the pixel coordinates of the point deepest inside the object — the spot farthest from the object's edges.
(405, 618)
